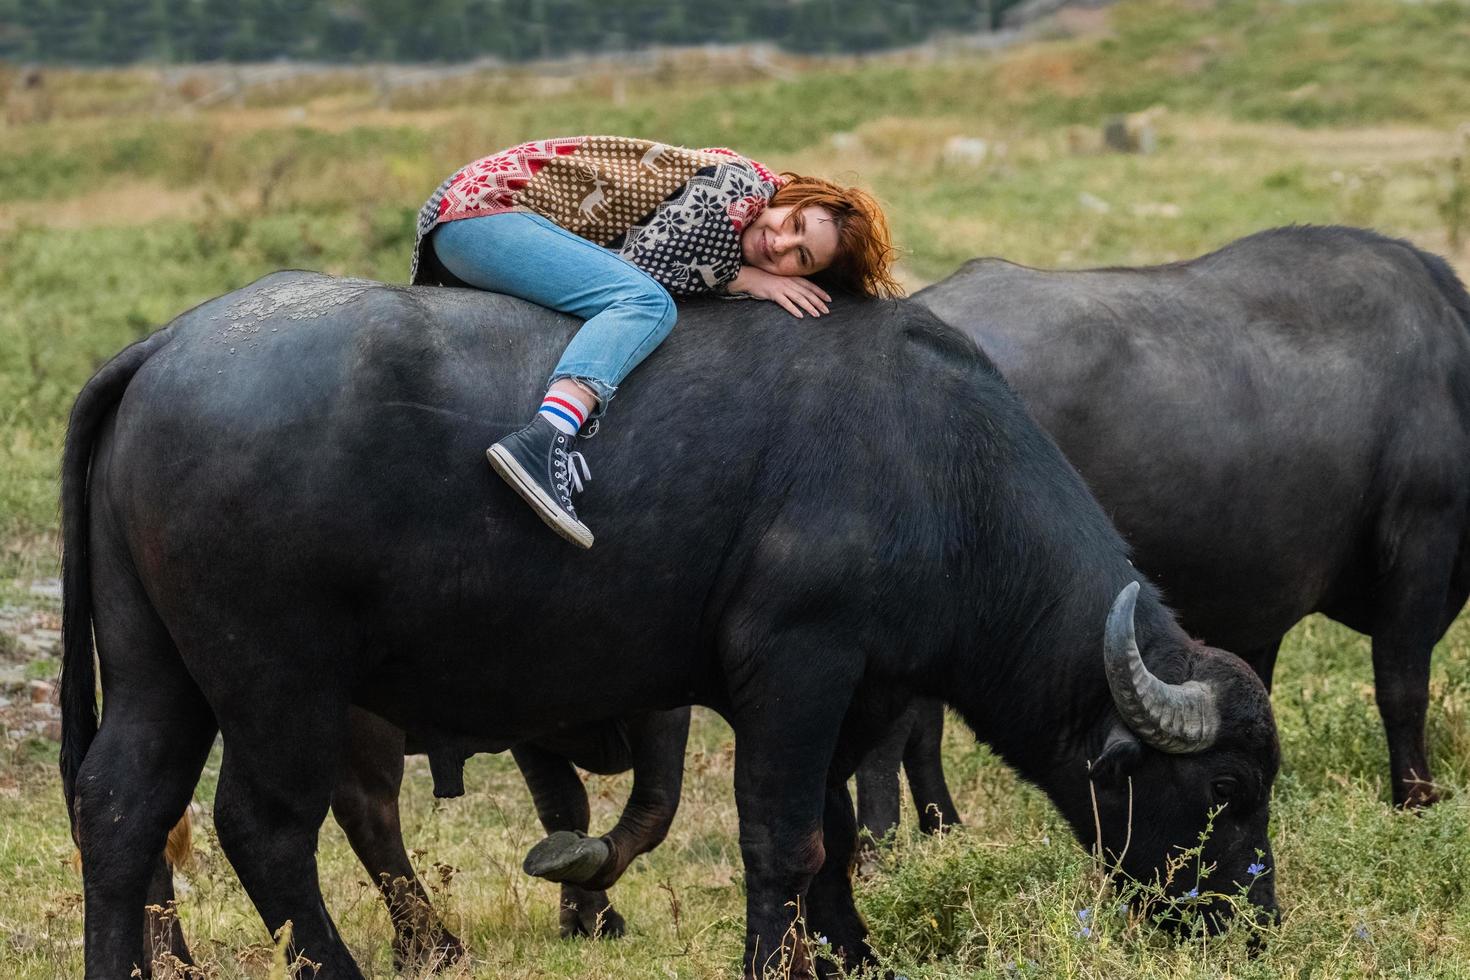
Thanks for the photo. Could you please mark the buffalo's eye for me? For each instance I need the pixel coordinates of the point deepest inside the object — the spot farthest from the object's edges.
(1224, 788)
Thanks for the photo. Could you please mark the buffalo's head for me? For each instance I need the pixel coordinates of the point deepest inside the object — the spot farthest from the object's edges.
(1182, 757)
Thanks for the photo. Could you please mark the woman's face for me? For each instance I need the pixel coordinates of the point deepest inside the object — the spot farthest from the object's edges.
(790, 244)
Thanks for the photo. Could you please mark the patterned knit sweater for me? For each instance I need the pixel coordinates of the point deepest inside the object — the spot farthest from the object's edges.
(675, 213)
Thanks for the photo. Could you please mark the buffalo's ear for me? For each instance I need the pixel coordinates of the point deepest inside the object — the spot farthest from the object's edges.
(1120, 754)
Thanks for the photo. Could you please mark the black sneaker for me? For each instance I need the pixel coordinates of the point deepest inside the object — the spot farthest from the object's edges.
(539, 464)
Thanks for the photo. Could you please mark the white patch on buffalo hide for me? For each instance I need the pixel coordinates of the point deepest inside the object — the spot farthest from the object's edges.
(303, 298)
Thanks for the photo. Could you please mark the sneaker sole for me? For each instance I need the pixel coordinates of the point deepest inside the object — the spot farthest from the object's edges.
(522, 483)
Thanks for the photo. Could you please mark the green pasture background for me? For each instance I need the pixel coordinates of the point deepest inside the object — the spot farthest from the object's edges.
(118, 211)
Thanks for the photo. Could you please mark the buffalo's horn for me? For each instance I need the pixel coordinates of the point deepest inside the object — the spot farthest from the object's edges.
(1178, 718)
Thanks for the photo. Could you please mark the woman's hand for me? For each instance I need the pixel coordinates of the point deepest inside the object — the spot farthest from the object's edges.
(793, 292)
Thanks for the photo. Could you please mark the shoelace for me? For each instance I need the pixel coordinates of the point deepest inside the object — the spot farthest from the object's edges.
(579, 460)
(566, 472)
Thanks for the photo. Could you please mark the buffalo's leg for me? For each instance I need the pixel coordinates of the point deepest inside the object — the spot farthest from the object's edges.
(1401, 687)
(276, 781)
(659, 739)
(1262, 660)
(131, 788)
(783, 753)
(1411, 601)
(914, 739)
(1401, 682)
(137, 776)
(365, 805)
(561, 804)
(924, 766)
(831, 913)
(878, 796)
(162, 933)
(592, 865)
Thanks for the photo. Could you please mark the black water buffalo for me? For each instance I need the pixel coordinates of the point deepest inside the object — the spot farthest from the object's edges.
(1278, 428)
(277, 508)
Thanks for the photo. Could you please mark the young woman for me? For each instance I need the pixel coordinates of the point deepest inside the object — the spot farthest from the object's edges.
(610, 229)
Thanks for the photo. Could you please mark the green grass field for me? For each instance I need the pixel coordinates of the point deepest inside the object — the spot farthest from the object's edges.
(115, 216)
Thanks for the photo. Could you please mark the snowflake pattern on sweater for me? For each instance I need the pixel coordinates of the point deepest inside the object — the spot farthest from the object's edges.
(675, 213)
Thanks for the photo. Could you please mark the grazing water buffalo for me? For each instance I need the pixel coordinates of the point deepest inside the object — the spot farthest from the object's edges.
(277, 508)
(1278, 428)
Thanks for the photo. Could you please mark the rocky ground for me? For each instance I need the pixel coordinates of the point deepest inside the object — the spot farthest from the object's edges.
(30, 652)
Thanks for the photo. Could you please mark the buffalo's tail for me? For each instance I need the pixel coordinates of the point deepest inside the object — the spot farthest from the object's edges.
(78, 671)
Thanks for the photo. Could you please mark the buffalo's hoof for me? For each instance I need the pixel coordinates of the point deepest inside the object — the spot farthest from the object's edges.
(589, 915)
(413, 955)
(567, 856)
(1418, 796)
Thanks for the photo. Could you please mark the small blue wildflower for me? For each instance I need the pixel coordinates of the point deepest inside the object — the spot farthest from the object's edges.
(1192, 893)
(1255, 869)
(1361, 932)
(1083, 933)
(1082, 914)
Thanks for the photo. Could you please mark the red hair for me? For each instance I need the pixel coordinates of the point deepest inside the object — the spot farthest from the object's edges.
(865, 253)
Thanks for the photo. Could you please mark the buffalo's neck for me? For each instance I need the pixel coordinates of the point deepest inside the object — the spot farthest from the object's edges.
(1042, 702)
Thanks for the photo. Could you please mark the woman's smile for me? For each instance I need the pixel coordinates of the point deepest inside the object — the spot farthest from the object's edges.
(807, 241)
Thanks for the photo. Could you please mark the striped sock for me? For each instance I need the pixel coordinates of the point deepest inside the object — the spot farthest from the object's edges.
(564, 412)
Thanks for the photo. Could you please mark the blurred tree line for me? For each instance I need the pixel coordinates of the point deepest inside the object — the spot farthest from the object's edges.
(124, 31)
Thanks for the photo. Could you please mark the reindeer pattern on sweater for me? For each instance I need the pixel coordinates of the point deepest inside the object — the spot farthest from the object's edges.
(675, 213)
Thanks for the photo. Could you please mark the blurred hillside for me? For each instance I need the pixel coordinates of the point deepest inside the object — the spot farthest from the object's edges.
(1309, 62)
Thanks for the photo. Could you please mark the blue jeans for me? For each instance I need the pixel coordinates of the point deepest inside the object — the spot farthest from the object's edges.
(628, 314)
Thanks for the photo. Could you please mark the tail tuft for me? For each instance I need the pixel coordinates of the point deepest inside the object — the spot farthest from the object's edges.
(179, 852)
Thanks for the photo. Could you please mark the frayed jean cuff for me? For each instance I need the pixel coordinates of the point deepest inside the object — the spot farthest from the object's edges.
(601, 389)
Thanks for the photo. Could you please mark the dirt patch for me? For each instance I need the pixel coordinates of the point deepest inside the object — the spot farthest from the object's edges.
(1057, 70)
(117, 204)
